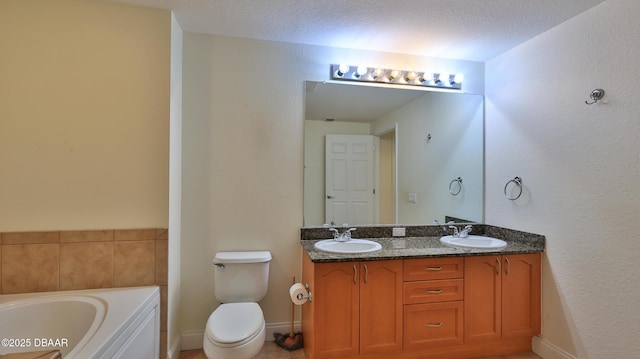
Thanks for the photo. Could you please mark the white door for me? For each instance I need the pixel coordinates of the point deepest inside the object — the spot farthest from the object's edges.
(349, 169)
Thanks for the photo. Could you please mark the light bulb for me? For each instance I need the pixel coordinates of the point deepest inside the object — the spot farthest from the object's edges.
(444, 79)
(426, 77)
(361, 71)
(342, 69)
(458, 78)
(377, 73)
(394, 74)
(410, 76)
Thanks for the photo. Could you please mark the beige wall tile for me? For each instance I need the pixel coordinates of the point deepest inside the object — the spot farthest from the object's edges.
(134, 263)
(162, 233)
(135, 234)
(86, 265)
(162, 248)
(86, 236)
(30, 268)
(164, 294)
(30, 237)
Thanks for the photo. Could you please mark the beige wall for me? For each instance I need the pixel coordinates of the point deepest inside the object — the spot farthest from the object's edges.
(84, 107)
(579, 165)
(243, 156)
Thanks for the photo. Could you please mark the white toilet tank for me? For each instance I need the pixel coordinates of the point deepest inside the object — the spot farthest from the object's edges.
(241, 276)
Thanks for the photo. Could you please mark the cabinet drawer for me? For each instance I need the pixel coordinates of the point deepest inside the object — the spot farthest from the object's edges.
(430, 291)
(433, 325)
(433, 268)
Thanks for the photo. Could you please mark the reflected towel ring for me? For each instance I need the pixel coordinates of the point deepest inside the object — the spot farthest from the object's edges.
(518, 182)
(459, 181)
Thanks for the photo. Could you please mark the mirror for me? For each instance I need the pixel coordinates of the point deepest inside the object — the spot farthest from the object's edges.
(391, 155)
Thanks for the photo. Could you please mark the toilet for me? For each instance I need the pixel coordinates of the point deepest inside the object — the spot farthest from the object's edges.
(236, 329)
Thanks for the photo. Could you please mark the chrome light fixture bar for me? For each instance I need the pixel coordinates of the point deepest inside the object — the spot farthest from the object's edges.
(399, 77)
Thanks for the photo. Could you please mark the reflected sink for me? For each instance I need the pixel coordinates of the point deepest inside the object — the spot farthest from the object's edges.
(478, 242)
(352, 246)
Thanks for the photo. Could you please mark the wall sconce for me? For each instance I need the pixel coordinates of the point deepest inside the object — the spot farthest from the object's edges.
(399, 77)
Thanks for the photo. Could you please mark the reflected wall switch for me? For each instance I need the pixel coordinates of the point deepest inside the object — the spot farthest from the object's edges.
(413, 198)
(398, 232)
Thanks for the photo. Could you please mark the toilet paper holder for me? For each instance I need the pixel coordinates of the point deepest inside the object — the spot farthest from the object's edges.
(308, 296)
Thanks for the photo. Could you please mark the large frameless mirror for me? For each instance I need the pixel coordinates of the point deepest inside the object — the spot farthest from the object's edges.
(391, 155)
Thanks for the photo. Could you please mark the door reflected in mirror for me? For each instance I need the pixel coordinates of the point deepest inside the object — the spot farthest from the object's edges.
(391, 155)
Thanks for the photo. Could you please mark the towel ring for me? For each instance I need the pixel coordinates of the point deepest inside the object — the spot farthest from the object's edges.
(459, 181)
(518, 182)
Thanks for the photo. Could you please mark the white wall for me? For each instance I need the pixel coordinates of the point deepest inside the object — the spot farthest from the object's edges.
(426, 167)
(580, 167)
(175, 188)
(243, 155)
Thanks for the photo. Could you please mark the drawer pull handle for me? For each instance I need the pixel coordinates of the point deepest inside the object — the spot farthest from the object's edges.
(437, 291)
(434, 325)
(433, 268)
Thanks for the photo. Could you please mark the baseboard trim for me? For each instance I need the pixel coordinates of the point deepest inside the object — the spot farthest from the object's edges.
(548, 350)
(174, 349)
(193, 339)
(282, 328)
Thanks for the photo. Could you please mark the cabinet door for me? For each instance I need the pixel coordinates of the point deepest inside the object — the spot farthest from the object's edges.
(336, 309)
(520, 295)
(482, 298)
(380, 306)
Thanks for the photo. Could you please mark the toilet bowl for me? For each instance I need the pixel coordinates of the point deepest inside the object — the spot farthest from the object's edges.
(235, 331)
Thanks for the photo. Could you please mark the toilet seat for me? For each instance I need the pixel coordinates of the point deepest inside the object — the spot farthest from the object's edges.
(234, 324)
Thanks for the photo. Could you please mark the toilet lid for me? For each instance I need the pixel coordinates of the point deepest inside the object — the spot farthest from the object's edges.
(234, 322)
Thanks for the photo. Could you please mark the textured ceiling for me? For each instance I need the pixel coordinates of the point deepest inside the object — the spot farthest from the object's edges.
(475, 30)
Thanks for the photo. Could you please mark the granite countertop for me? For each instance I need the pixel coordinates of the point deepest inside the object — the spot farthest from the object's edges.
(412, 247)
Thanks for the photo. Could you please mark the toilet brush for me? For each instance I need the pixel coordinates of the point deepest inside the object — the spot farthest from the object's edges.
(294, 340)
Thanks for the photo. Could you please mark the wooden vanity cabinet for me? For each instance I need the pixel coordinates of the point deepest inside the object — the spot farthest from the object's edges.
(427, 308)
(356, 308)
(502, 297)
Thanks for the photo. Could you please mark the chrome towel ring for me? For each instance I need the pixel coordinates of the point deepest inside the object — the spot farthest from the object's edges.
(452, 187)
(516, 181)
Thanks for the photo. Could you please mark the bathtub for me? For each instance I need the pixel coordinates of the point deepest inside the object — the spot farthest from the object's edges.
(82, 324)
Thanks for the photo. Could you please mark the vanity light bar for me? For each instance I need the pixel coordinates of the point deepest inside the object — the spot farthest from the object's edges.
(399, 77)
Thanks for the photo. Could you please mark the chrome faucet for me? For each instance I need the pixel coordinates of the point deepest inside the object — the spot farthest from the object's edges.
(465, 232)
(342, 237)
(461, 233)
(456, 233)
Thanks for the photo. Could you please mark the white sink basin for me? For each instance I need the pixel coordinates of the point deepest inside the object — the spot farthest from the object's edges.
(478, 242)
(351, 246)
